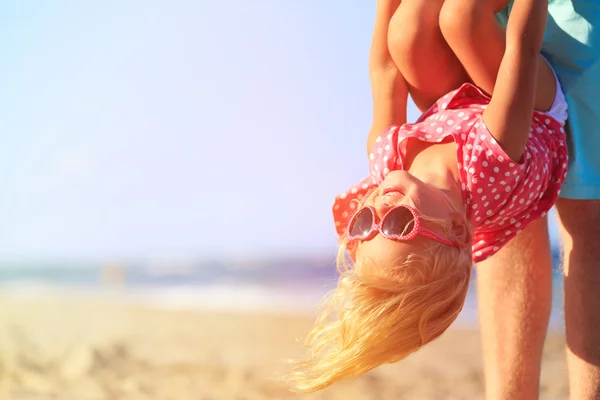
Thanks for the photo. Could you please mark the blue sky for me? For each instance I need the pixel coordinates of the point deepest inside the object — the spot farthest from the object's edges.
(179, 129)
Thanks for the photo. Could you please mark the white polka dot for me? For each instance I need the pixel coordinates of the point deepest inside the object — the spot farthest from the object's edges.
(365, 186)
(378, 139)
(484, 163)
(521, 201)
(353, 205)
(481, 175)
(473, 158)
(508, 233)
(496, 169)
(489, 212)
(507, 189)
(492, 179)
(479, 190)
(478, 219)
(439, 130)
(371, 156)
(478, 253)
(345, 214)
(496, 197)
(387, 147)
(496, 248)
(336, 207)
(500, 158)
(385, 158)
(343, 195)
(386, 171)
(354, 190)
(471, 170)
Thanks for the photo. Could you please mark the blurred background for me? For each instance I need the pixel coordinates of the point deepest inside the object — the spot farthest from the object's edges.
(168, 170)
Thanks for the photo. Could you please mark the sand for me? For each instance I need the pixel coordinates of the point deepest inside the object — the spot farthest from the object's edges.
(53, 348)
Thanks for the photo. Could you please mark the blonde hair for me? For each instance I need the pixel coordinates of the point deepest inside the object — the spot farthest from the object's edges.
(369, 320)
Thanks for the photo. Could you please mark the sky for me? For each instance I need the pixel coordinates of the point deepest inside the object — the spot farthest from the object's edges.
(180, 129)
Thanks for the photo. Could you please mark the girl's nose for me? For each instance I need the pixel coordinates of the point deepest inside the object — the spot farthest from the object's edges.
(382, 208)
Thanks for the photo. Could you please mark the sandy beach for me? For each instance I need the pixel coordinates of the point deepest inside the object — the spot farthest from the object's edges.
(53, 348)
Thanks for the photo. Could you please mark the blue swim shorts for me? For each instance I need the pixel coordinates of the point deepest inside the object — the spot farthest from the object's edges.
(572, 46)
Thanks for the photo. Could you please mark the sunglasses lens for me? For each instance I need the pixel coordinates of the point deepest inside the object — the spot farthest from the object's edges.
(363, 221)
(399, 222)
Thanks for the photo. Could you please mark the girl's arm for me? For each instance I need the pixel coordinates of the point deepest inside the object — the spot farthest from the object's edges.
(389, 90)
(510, 112)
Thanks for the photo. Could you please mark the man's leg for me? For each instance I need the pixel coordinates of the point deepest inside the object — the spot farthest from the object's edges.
(514, 289)
(580, 226)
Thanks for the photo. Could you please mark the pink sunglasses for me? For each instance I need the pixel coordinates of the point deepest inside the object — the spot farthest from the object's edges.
(393, 225)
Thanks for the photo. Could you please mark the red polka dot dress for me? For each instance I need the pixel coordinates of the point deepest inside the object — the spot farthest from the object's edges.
(501, 196)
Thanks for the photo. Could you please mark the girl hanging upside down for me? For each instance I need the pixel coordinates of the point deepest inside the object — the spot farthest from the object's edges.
(446, 191)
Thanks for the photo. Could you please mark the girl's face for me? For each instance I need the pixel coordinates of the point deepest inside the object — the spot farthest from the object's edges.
(400, 187)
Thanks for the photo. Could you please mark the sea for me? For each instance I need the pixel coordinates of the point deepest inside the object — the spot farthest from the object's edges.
(277, 285)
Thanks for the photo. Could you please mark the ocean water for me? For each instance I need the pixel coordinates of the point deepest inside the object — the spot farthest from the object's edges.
(275, 285)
